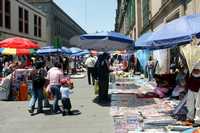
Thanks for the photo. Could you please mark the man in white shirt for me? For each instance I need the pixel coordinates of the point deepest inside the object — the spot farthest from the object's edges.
(90, 63)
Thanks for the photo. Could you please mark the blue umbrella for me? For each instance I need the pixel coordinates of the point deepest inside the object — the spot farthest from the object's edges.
(113, 36)
(82, 53)
(66, 51)
(50, 49)
(75, 50)
(177, 32)
(47, 50)
(103, 41)
(141, 42)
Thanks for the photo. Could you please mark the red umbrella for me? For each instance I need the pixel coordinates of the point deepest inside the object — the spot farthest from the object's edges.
(18, 42)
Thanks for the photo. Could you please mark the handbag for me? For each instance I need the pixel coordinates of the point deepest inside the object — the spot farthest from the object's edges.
(96, 87)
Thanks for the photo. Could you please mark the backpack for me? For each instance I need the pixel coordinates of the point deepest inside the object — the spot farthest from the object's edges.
(38, 80)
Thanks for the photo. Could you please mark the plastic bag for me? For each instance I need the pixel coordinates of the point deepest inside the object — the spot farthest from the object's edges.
(96, 87)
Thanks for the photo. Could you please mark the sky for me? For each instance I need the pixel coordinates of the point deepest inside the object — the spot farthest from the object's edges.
(91, 15)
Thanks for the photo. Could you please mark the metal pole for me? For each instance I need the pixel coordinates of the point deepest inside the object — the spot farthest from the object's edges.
(85, 13)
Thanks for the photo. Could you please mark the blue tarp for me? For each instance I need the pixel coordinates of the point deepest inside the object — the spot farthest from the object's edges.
(177, 32)
(143, 57)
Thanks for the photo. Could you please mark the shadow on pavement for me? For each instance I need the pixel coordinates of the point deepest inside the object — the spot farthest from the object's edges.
(75, 112)
(50, 112)
(105, 103)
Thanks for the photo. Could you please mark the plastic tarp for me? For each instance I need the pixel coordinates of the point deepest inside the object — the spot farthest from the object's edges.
(143, 57)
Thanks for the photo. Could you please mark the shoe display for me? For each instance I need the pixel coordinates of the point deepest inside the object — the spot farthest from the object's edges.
(196, 125)
(187, 122)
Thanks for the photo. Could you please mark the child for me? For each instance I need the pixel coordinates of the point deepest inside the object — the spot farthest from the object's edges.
(66, 90)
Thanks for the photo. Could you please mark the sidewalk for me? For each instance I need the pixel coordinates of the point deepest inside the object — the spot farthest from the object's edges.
(132, 114)
(14, 117)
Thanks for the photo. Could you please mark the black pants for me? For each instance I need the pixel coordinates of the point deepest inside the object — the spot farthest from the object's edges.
(90, 73)
(103, 89)
(66, 104)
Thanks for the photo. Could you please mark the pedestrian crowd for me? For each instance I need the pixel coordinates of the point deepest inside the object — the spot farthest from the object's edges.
(48, 78)
(177, 84)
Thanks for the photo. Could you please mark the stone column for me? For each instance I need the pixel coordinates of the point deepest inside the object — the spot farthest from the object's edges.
(138, 17)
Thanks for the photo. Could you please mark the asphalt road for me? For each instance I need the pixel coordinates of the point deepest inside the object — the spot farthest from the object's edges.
(94, 118)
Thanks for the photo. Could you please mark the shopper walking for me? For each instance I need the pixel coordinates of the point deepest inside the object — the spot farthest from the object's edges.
(193, 96)
(38, 82)
(150, 68)
(103, 77)
(54, 75)
(90, 64)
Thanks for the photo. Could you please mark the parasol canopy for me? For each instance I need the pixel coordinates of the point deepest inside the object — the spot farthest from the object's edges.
(177, 32)
(18, 52)
(102, 41)
(63, 50)
(18, 42)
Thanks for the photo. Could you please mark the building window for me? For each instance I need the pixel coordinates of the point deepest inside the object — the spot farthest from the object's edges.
(37, 26)
(1, 13)
(26, 21)
(7, 14)
(21, 20)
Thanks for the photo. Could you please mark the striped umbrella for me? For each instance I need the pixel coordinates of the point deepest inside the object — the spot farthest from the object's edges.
(18, 52)
(18, 42)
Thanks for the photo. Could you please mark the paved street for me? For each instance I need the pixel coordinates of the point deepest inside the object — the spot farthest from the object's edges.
(94, 118)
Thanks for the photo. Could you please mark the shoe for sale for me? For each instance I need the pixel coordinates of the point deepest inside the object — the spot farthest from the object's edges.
(196, 125)
(187, 123)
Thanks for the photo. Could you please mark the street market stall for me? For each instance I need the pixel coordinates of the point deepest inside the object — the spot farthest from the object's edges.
(133, 114)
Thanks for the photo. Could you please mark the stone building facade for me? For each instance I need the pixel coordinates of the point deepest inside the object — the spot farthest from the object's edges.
(59, 24)
(149, 15)
(18, 18)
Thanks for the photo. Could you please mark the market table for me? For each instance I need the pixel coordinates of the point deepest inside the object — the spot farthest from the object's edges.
(131, 113)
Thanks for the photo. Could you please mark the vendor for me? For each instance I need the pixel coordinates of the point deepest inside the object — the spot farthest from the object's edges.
(193, 97)
(180, 83)
(6, 69)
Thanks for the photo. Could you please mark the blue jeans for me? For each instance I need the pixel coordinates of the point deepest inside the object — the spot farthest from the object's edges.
(37, 94)
(55, 89)
(150, 73)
